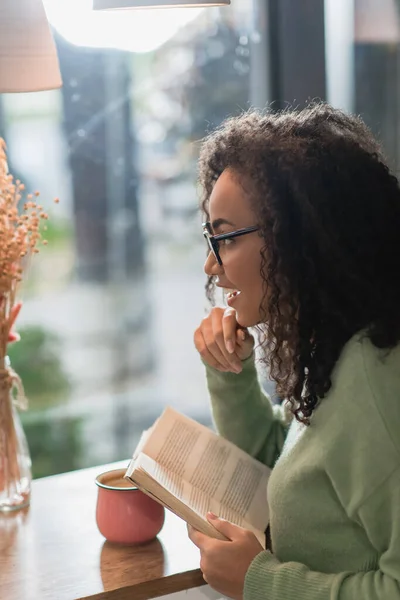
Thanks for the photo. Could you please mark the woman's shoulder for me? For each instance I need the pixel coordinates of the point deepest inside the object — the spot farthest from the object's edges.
(382, 372)
(377, 368)
(369, 378)
(359, 420)
(362, 358)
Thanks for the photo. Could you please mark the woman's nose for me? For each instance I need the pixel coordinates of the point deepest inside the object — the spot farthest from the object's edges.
(212, 266)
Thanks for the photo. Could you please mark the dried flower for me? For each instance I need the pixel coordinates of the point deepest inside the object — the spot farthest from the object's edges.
(19, 238)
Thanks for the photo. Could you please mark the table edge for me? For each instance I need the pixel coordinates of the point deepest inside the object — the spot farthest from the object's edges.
(154, 588)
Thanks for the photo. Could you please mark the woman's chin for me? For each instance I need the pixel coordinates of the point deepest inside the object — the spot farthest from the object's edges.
(247, 320)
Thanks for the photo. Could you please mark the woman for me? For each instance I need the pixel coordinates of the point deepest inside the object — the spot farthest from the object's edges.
(304, 232)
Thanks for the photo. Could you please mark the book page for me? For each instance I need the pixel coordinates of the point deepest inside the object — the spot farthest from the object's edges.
(193, 505)
(222, 477)
(142, 441)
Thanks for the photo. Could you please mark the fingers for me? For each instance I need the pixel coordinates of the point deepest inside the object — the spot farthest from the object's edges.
(244, 343)
(229, 328)
(228, 529)
(221, 342)
(223, 327)
(209, 341)
(241, 335)
(206, 355)
(199, 539)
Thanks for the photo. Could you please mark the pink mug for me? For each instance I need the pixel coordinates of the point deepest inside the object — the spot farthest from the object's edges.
(124, 514)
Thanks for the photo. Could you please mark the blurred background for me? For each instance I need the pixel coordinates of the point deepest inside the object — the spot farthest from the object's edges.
(110, 306)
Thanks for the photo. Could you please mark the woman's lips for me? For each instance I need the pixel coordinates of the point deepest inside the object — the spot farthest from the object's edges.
(232, 297)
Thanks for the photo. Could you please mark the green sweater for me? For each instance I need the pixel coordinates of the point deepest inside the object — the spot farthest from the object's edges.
(334, 491)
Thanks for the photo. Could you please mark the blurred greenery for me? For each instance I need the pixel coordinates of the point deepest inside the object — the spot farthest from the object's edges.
(36, 359)
(57, 232)
(55, 444)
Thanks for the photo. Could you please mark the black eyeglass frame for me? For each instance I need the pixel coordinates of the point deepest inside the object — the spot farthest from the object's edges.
(213, 240)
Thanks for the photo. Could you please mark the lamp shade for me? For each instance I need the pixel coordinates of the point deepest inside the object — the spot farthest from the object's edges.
(28, 56)
(130, 4)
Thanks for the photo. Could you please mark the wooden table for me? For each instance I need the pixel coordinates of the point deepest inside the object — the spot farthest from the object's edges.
(53, 550)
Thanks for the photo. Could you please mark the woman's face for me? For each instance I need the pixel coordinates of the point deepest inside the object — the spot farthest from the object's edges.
(230, 209)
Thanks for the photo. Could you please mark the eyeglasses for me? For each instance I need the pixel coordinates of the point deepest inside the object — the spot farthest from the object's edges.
(214, 240)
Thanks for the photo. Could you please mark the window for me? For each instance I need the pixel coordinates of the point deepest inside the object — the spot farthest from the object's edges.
(112, 303)
(362, 51)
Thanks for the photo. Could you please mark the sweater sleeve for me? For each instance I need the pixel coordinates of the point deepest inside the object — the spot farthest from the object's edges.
(244, 414)
(268, 579)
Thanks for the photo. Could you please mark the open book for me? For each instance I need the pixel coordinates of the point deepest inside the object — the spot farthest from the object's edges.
(191, 470)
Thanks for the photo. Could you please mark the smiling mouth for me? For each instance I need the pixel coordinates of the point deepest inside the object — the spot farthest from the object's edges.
(230, 294)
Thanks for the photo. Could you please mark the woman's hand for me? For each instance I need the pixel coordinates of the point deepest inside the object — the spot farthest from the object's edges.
(221, 342)
(224, 564)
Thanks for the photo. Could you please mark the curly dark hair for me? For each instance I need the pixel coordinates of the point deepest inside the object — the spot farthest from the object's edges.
(328, 208)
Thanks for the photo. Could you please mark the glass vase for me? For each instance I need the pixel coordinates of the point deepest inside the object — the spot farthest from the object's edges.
(15, 460)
